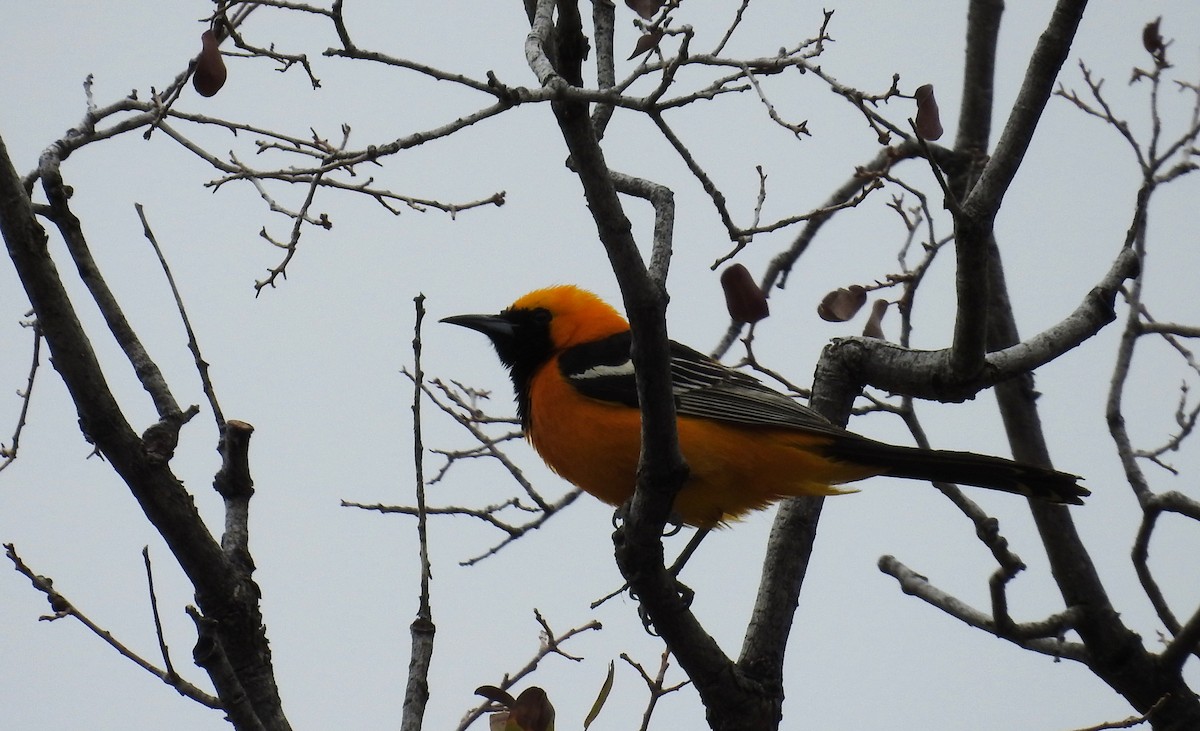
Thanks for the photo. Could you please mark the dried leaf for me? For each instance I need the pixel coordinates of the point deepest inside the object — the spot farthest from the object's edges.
(874, 326)
(531, 711)
(1152, 38)
(495, 695)
(842, 304)
(1154, 44)
(210, 72)
(646, 42)
(601, 698)
(929, 121)
(645, 8)
(743, 297)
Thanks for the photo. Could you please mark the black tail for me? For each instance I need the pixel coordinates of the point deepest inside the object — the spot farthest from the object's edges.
(965, 468)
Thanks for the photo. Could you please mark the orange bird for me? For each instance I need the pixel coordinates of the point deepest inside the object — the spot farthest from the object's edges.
(747, 445)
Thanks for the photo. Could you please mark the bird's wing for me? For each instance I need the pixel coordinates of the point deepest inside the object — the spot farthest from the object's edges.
(703, 387)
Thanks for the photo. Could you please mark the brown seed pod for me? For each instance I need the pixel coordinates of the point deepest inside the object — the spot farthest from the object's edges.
(745, 301)
(874, 326)
(210, 72)
(645, 8)
(646, 42)
(842, 304)
(929, 122)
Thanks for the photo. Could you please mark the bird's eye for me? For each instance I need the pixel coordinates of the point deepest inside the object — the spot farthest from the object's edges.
(542, 316)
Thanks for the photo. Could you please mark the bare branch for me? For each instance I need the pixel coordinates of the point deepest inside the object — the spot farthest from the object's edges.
(1044, 637)
(422, 629)
(158, 630)
(656, 684)
(193, 344)
(663, 201)
(550, 645)
(9, 454)
(300, 218)
(1172, 328)
(1130, 722)
(146, 369)
(737, 19)
(62, 607)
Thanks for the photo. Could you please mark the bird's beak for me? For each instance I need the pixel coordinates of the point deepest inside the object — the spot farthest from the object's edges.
(494, 326)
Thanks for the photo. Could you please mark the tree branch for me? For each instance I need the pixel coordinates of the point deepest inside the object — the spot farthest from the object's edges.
(63, 607)
(973, 226)
(224, 593)
(1043, 637)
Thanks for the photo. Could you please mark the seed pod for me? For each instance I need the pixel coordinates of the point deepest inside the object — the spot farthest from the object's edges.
(645, 8)
(532, 711)
(743, 297)
(842, 304)
(874, 326)
(929, 122)
(1152, 38)
(210, 72)
(646, 42)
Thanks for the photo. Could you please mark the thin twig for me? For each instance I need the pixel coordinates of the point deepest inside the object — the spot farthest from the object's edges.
(655, 684)
(193, 345)
(737, 19)
(158, 629)
(550, 645)
(62, 607)
(1129, 722)
(9, 454)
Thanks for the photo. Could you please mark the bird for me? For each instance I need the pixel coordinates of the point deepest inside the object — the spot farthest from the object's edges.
(746, 445)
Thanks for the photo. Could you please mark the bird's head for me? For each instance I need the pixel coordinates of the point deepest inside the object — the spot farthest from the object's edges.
(545, 322)
(539, 326)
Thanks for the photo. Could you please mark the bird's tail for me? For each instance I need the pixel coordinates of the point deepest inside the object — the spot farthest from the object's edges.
(965, 468)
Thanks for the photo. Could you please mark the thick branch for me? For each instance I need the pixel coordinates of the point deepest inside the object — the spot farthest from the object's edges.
(661, 471)
(1048, 57)
(225, 595)
(72, 231)
(973, 224)
(926, 374)
(979, 76)
(1117, 654)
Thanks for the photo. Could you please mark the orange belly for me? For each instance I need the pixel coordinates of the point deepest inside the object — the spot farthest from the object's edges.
(733, 469)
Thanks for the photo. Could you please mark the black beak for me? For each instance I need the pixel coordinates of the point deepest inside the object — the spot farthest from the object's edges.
(494, 326)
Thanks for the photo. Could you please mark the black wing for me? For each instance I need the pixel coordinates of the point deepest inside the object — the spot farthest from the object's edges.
(702, 386)
(705, 388)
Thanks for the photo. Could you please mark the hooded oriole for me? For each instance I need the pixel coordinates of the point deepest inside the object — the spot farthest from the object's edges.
(746, 444)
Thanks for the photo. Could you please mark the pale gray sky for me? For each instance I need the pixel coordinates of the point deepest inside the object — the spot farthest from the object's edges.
(314, 365)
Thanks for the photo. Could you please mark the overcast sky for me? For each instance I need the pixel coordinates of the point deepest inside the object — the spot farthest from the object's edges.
(314, 365)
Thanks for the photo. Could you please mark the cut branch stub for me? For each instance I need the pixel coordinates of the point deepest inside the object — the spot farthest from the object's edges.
(842, 304)
(233, 480)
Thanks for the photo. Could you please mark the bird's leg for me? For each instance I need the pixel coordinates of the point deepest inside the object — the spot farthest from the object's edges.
(687, 552)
